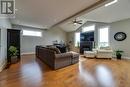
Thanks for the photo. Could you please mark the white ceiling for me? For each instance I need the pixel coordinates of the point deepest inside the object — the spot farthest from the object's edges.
(46, 13)
(112, 13)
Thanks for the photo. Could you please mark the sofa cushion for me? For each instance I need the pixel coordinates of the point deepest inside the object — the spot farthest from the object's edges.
(63, 55)
(54, 49)
(74, 54)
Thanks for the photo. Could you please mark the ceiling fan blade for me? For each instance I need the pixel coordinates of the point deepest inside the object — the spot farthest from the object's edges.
(75, 22)
(80, 23)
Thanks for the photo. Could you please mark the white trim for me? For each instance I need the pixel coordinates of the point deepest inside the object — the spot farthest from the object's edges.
(3, 65)
(27, 53)
(128, 58)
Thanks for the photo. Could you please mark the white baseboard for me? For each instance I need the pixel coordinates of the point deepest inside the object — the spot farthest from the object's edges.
(128, 58)
(123, 57)
(27, 53)
(3, 65)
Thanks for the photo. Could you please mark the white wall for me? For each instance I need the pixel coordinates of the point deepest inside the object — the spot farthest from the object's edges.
(28, 43)
(3, 57)
(4, 24)
(0, 43)
(121, 26)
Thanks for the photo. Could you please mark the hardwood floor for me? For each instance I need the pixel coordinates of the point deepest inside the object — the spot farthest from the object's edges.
(31, 72)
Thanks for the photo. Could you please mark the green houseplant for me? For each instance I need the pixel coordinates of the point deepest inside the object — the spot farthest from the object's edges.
(119, 53)
(13, 52)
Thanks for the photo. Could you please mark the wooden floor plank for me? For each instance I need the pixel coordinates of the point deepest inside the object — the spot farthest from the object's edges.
(31, 72)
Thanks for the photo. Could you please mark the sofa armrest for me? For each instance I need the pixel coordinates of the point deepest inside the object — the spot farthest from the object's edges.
(63, 55)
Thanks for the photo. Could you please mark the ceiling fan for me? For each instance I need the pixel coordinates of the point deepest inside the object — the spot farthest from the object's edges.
(75, 22)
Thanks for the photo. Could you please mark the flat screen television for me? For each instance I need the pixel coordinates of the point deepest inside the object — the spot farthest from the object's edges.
(87, 36)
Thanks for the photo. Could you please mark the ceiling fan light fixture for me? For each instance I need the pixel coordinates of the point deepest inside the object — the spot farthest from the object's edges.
(75, 23)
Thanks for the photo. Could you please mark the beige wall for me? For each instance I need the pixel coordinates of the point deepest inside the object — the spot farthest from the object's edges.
(121, 26)
(28, 43)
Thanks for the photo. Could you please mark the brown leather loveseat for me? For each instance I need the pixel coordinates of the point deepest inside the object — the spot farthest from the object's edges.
(52, 57)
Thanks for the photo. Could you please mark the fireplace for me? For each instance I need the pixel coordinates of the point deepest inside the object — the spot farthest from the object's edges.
(86, 46)
(86, 41)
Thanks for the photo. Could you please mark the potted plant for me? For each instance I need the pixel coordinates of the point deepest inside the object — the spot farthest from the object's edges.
(119, 53)
(13, 52)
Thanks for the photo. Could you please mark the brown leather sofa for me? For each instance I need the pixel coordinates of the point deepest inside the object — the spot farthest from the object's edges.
(55, 59)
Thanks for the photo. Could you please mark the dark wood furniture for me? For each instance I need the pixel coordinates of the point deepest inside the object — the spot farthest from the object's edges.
(13, 39)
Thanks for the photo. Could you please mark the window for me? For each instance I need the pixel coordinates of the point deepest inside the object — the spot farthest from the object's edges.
(104, 37)
(77, 39)
(32, 33)
(89, 28)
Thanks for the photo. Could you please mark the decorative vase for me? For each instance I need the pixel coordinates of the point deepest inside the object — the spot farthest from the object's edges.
(14, 59)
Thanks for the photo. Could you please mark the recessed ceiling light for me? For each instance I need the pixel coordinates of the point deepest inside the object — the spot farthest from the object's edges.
(114, 1)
